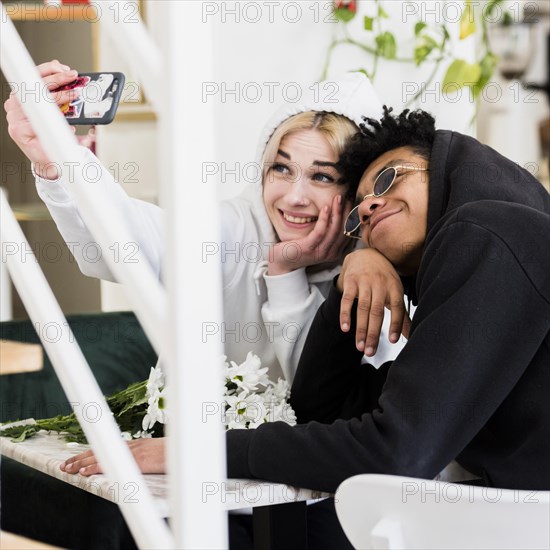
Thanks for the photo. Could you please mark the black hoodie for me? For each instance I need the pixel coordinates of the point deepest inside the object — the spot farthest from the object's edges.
(473, 381)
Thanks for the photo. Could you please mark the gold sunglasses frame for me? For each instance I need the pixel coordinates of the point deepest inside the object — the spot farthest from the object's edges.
(373, 194)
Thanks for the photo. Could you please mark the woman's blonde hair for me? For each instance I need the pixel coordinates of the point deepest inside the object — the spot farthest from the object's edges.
(336, 129)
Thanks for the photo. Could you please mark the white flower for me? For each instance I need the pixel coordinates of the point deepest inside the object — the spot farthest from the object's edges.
(249, 374)
(155, 394)
(281, 390)
(250, 399)
(155, 411)
(156, 380)
(142, 435)
(248, 407)
(283, 412)
(244, 410)
(127, 436)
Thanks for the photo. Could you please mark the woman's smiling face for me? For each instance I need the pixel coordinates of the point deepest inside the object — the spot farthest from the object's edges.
(395, 223)
(301, 181)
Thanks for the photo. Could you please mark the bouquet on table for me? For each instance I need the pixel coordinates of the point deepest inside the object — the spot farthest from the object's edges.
(250, 399)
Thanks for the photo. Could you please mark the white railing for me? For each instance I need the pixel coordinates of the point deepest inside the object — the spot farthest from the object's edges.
(196, 450)
(80, 386)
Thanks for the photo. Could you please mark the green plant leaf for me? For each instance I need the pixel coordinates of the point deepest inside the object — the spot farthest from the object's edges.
(387, 46)
(420, 54)
(364, 71)
(424, 46)
(20, 433)
(28, 432)
(491, 5)
(344, 15)
(368, 23)
(467, 21)
(382, 12)
(419, 27)
(141, 404)
(487, 65)
(461, 73)
(507, 19)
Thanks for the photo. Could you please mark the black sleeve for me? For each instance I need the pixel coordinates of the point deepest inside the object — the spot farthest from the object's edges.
(478, 325)
(331, 382)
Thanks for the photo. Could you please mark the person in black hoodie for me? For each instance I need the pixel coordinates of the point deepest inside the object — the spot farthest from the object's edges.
(469, 233)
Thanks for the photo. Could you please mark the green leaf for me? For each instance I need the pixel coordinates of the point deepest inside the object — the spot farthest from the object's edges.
(425, 44)
(387, 46)
(467, 21)
(344, 15)
(368, 23)
(424, 49)
(507, 19)
(461, 73)
(364, 71)
(20, 433)
(491, 5)
(142, 403)
(382, 12)
(487, 65)
(419, 27)
(78, 438)
(420, 54)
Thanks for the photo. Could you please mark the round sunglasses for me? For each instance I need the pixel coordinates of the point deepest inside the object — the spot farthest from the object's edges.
(382, 184)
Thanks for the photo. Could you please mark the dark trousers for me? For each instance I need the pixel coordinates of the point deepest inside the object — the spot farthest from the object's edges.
(323, 529)
(41, 507)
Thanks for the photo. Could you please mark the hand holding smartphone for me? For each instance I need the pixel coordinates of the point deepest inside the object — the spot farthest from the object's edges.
(98, 100)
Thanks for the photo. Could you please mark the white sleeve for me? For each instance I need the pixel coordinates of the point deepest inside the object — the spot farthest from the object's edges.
(290, 308)
(144, 220)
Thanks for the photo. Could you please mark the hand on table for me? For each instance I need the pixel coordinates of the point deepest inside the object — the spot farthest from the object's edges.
(148, 453)
(54, 75)
(371, 279)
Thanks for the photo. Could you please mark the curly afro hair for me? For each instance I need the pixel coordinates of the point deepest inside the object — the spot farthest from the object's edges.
(414, 129)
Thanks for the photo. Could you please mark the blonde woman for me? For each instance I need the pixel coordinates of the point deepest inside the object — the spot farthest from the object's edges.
(282, 241)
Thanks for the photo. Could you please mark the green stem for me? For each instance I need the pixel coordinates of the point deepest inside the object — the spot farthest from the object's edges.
(437, 62)
(333, 45)
(425, 85)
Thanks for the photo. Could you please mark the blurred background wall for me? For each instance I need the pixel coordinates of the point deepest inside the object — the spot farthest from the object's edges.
(266, 52)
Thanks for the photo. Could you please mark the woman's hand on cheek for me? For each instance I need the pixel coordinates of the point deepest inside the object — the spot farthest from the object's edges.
(325, 243)
(148, 453)
(371, 279)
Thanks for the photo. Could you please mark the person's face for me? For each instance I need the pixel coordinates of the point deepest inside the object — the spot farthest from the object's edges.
(300, 183)
(395, 223)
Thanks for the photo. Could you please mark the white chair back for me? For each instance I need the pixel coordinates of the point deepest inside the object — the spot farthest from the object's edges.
(391, 512)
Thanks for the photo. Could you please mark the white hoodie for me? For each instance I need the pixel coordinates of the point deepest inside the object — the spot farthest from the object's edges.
(269, 315)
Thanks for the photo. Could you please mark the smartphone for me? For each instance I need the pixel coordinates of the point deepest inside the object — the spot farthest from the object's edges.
(98, 100)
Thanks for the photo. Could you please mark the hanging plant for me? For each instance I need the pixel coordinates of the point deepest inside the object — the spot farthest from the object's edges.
(432, 45)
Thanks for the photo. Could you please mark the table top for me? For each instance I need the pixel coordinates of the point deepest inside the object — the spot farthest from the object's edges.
(45, 452)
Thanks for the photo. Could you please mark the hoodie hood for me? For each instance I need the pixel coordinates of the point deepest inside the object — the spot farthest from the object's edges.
(352, 96)
(463, 170)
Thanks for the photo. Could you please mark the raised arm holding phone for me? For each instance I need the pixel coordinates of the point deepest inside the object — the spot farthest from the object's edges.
(301, 199)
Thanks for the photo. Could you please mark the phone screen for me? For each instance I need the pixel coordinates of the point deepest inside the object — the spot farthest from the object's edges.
(98, 100)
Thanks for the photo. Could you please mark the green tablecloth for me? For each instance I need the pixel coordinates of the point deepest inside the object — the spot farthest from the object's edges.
(114, 345)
